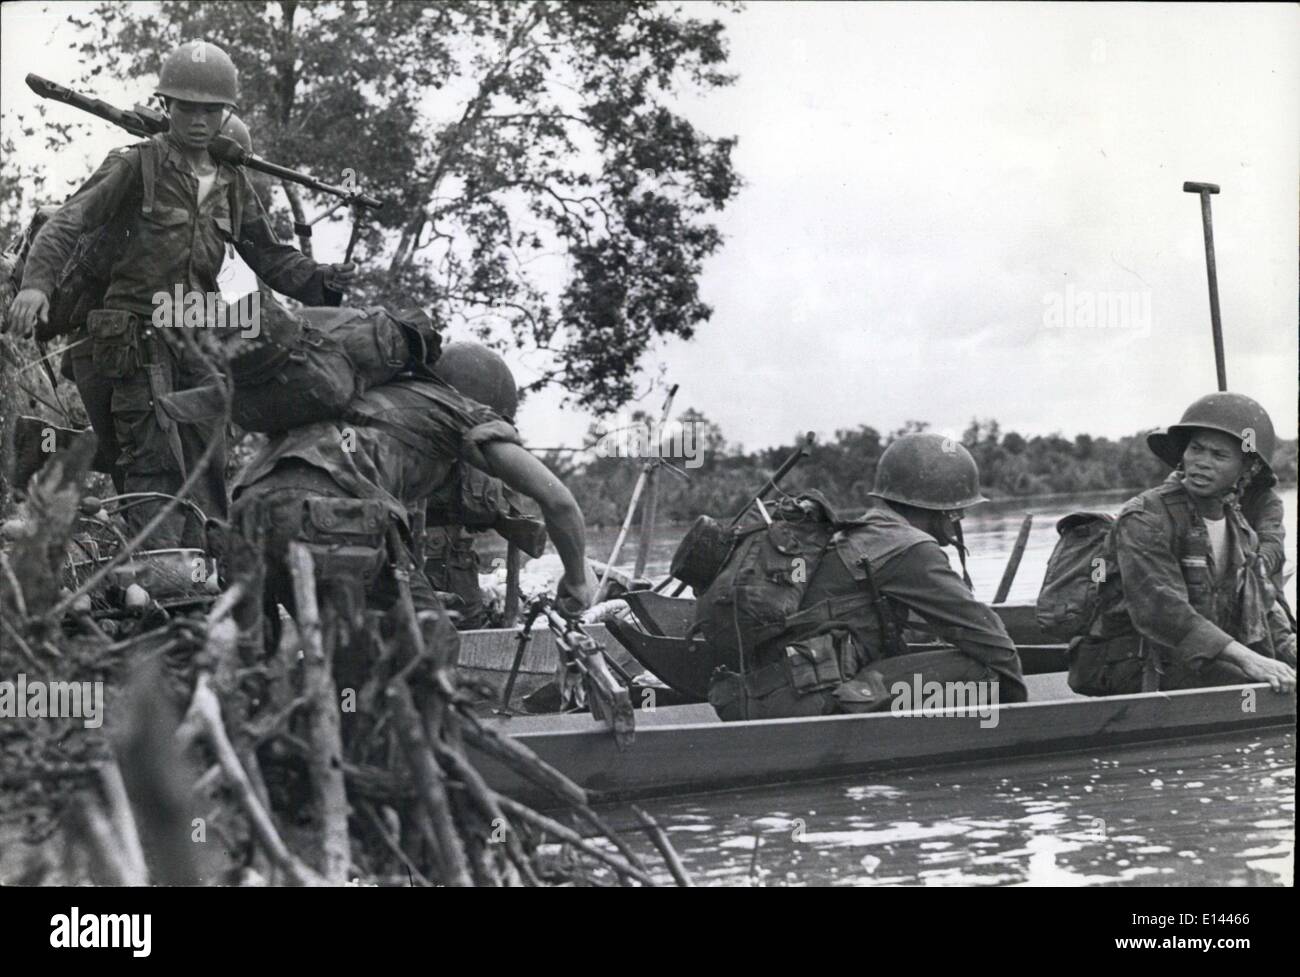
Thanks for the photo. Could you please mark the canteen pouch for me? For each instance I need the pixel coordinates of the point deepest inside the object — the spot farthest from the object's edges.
(727, 695)
(113, 338)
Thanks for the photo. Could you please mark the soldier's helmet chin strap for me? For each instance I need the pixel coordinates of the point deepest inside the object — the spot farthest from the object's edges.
(958, 539)
(1248, 473)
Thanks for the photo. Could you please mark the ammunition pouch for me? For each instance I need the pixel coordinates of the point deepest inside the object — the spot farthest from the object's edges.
(114, 338)
(764, 693)
(1110, 667)
(802, 681)
(816, 663)
(345, 536)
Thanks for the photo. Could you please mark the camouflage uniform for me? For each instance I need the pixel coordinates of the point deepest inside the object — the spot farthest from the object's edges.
(469, 503)
(451, 566)
(1177, 611)
(175, 239)
(339, 486)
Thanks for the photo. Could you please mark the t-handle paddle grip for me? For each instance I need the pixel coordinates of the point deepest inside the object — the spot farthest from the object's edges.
(1192, 187)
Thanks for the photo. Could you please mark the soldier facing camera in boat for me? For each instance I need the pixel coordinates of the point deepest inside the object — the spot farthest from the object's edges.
(1188, 594)
(814, 607)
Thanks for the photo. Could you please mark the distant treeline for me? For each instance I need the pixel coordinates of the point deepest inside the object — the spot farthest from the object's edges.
(844, 467)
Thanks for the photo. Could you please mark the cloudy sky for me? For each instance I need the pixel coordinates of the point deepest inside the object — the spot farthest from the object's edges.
(943, 204)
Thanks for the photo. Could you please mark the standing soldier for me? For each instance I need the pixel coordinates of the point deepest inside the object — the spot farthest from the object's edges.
(840, 649)
(1195, 605)
(180, 208)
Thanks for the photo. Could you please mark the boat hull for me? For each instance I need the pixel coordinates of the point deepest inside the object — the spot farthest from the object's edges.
(686, 750)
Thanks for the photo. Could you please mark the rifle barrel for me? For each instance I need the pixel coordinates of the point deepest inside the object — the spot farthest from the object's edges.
(222, 147)
(225, 148)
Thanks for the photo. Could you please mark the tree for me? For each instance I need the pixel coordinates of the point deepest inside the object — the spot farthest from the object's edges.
(541, 187)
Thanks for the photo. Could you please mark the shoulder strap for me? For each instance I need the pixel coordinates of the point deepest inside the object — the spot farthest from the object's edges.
(148, 175)
(1173, 495)
(236, 202)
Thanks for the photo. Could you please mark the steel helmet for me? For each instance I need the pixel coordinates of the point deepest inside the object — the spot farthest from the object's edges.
(928, 471)
(198, 71)
(1233, 414)
(236, 130)
(480, 374)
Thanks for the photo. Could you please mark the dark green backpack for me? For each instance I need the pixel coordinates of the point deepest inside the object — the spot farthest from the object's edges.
(1081, 572)
(764, 577)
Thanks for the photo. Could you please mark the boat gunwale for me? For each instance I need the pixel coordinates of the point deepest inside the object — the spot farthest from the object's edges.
(806, 721)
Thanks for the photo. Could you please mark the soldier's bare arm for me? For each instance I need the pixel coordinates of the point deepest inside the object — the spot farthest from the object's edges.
(564, 523)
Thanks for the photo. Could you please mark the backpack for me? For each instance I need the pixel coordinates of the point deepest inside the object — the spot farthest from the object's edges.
(84, 279)
(764, 577)
(1081, 574)
(309, 366)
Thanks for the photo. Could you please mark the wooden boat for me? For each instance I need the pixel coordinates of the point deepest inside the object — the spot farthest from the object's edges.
(685, 749)
(487, 654)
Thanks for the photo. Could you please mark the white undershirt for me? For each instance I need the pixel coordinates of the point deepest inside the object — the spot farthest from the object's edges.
(1218, 530)
(205, 185)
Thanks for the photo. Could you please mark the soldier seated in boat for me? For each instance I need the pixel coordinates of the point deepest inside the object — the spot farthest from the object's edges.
(841, 650)
(1198, 600)
(346, 490)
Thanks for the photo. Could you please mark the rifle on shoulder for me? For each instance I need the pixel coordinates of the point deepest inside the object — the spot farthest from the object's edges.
(144, 122)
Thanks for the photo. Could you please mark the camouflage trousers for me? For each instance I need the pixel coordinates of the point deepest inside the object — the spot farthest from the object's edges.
(347, 537)
(451, 566)
(1119, 666)
(154, 452)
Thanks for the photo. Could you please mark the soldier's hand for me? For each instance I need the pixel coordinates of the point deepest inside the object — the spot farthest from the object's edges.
(572, 598)
(1280, 677)
(339, 277)
(29, 306)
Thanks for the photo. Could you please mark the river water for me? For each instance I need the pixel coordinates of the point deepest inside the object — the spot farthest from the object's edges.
(1217, 811)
